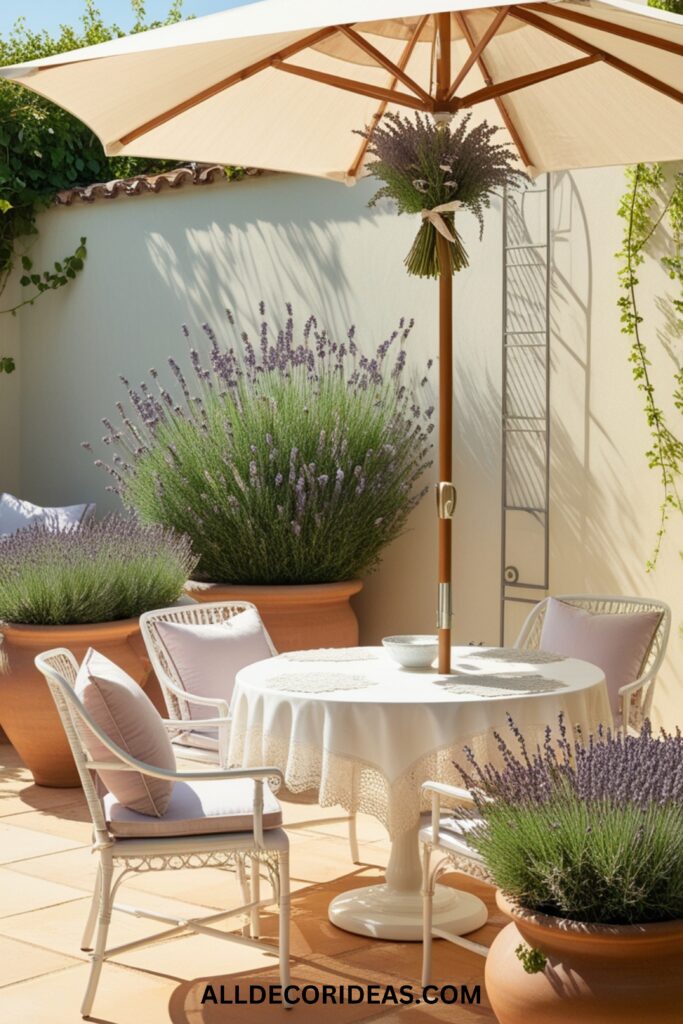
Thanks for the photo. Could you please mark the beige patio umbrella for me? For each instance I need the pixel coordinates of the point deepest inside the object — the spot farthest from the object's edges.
(284, 84)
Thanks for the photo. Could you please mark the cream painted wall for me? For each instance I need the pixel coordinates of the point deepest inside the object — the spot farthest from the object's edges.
(10, 392)
(604, 497)
(157, 261)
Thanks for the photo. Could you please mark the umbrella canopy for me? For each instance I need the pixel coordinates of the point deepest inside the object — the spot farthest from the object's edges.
(285, 86)
(282, 84)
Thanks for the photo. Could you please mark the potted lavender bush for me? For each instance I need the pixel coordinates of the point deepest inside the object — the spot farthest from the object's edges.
(77, 588)
(289, 462)
(586, 845)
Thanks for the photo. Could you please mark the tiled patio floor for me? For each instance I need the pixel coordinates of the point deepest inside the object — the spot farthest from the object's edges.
(46, 875)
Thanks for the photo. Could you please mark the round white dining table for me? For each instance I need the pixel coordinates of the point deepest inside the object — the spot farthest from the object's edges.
(355, 729)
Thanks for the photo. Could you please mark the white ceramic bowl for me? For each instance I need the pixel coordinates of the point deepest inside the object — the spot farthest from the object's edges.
(412, 651)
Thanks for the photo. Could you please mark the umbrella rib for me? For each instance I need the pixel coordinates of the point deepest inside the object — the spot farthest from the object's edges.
(610, 28)
(226, 83)
(395, 69)
(608, 58)
(522, 82)
(379, 113)
(477, 49)
(502, 109)
(377, 92)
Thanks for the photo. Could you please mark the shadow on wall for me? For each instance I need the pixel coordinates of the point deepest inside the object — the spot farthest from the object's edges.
(589, 549)
(259, 254)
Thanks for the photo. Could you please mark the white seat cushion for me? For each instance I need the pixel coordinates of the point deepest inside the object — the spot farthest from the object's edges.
(206, 657)
(16, 514)
(197, 808)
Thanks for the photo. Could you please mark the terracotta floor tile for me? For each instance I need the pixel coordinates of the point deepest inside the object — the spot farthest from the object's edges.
(59, 928)
(123, 997)
(20, 894)
(76, 867)
(69, 820)
(19, 961)
(18, 844)
(192, 956)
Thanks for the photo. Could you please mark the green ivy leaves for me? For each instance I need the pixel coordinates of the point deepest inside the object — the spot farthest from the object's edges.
(64, 271)
(648, 200)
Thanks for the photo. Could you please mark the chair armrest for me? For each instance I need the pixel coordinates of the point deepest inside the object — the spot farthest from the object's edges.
(187, 724)
(638, 684)
(457, 793)
(221, 705)
(453, 793)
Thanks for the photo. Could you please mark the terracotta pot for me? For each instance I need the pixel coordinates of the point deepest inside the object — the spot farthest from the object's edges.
(27, 712)
(297, 617)
(600, 974)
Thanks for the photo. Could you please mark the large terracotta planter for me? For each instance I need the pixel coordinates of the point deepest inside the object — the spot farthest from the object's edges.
(27, 712)
(599, 974)
(297, 617)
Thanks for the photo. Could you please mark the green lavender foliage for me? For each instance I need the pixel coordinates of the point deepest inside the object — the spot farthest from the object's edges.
(294, 465)
(95, 572)
(590, 833)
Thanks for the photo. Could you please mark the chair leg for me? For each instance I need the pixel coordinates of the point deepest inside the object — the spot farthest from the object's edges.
(86, 940)
(244, 887)
(427, 901)
(255, 895)
(353, 839)
(284, 927)
(103, 919)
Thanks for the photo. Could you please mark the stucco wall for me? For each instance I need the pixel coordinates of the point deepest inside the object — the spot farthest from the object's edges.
(10, 391)
(156, 261)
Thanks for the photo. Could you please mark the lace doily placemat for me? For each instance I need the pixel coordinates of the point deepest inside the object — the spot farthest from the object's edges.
(321, 682)
(500, 685)
(333, 654)
(514, 654)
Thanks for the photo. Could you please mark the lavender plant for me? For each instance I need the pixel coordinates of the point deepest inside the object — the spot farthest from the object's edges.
(591, 832)
(294, 462)
(95, 572)
(424, 165)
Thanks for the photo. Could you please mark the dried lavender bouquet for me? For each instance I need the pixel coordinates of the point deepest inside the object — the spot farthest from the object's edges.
(425, 166)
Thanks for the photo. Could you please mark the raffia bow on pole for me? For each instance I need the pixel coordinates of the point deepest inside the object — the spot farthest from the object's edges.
(434, 216)
(423, 259)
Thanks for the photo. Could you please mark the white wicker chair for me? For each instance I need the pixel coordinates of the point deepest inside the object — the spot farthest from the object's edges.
(446, 835)
(192, 742)
(635, 699)
(260, 847)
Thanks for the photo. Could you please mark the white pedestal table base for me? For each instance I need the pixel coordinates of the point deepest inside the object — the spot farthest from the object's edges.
(393, 910)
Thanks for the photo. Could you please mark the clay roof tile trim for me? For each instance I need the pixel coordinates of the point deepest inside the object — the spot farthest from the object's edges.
(193, 174)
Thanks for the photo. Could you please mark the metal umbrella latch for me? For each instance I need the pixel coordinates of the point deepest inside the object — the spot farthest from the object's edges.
(446, 498)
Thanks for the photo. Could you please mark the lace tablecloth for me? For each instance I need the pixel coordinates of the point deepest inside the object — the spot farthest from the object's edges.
(364, 733)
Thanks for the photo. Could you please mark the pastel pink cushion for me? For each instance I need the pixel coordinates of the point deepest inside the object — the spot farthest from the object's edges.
(126, 714)
(208, 656)
(198, 808)
(616, 643)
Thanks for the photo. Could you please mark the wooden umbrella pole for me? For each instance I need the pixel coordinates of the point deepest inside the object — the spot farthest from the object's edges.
(446, 491)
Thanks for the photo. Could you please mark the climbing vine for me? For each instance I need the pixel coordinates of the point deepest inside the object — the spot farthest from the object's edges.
(43, 149)
(653, 200)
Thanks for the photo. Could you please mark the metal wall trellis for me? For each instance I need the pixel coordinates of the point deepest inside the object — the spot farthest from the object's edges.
(525, 473)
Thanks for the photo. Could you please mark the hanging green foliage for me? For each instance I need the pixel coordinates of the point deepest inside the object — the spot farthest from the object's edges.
(651, 205)
(44, 149)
